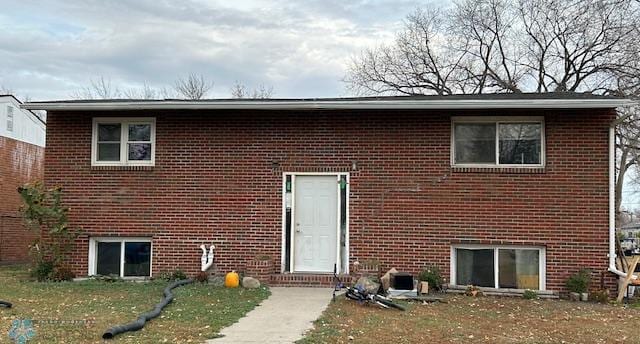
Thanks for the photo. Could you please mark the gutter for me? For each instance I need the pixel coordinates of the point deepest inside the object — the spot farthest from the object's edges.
(319, 104)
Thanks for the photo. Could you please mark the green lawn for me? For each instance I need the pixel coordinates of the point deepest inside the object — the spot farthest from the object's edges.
(197, 313)
(464, 319)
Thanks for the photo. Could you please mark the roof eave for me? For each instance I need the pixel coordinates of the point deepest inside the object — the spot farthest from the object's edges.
(332, 105)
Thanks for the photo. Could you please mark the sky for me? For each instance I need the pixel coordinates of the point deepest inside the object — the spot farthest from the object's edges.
(51, 49)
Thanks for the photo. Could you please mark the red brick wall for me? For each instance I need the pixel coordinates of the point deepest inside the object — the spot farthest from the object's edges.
(218, 179)
(20, 163)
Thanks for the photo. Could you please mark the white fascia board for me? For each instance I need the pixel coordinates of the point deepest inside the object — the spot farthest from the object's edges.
(451, 104)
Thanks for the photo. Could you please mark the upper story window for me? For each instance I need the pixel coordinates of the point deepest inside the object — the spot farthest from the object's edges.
(123, 142)
(498, 141)
(9, 118)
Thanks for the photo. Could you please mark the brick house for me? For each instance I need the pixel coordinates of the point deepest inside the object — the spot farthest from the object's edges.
(22, 139)
(506, 191)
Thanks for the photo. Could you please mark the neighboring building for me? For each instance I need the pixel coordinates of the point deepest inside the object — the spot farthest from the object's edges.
(22, 140)
(508, 191)
(629, 236)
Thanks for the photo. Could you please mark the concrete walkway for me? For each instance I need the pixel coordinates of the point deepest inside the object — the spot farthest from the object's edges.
(282, 318)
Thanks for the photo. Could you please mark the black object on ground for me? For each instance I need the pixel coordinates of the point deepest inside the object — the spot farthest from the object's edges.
(362, 296)
(338, 283)
(402, 281)
(144, 317)
(6, 304)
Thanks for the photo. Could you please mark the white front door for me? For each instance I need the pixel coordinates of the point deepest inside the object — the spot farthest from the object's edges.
(315, 223)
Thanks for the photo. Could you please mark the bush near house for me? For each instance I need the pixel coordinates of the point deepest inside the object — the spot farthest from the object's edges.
(432, 275)
(579, 282)
(43, 213)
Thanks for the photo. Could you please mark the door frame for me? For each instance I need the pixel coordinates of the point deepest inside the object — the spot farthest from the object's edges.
(293, 202)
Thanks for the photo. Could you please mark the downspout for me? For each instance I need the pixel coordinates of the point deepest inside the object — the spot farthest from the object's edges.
(612, 205)
(5, 304)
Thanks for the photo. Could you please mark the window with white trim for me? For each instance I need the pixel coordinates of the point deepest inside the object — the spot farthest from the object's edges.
(9, 118)
(124, 257)
(497, 141)
(123, 142)
(498, 267)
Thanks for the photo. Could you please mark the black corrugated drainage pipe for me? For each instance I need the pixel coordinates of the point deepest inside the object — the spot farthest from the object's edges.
(5, 304)
(144, 317)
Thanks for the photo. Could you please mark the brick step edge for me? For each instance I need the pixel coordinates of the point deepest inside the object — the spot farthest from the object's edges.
(307, 280)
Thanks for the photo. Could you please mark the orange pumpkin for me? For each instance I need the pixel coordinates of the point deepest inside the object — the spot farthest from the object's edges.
(232, 280)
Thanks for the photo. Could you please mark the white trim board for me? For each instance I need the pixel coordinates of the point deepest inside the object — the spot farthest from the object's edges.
(334, 104)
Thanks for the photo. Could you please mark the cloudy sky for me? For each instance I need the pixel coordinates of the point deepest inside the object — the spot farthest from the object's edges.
(49, 49)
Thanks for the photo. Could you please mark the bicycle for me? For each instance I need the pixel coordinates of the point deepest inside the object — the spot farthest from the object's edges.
(362, 296)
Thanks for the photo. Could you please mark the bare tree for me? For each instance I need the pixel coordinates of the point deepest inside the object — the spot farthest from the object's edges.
(505, 46)
(5, 90)
(420, 61)
(99, 88)
(239, 90)
(583, 45)
(22, 97)
(144, 92)
(193, 86)
(102, 88)
(512, 46)
(628, 149)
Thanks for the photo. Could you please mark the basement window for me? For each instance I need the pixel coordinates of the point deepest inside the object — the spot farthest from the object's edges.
(123, 142)
(498, 267)
(124, 257)
(497, 141)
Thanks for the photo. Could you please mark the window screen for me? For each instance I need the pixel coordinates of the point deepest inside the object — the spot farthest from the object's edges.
(109, 142)
(139, 142)
(137, 258)
(108, 259)
(475, 143)
(519, 268)
(475, 267)
(520, 143)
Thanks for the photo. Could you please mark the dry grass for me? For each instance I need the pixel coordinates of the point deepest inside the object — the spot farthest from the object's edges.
(198, 311)
(478, 320)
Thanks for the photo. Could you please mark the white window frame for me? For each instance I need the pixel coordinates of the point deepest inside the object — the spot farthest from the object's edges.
(10, 119)
(542, 261)
(124, 140)
(497, 120)
(93, 251)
